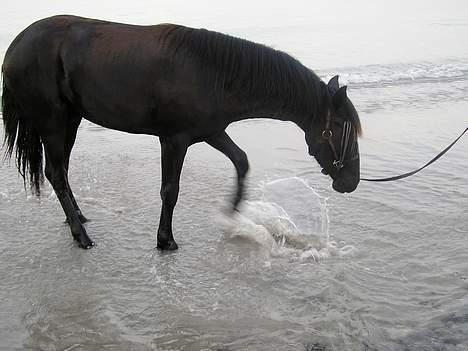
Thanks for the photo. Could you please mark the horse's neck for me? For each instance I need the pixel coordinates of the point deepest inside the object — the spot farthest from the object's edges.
(274, 113)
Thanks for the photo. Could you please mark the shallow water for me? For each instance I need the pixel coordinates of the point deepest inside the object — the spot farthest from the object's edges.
(301, 267)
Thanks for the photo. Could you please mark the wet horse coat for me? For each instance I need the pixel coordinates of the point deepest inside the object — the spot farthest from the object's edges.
(181, 84)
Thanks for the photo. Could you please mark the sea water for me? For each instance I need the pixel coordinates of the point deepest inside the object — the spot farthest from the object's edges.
(300, 267)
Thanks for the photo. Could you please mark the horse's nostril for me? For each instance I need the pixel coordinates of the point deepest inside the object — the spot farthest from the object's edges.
(338, 186)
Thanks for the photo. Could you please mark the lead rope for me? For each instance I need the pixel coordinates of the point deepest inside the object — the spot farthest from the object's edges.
(419, 169)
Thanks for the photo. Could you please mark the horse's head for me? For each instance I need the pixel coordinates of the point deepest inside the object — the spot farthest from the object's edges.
(333, 138)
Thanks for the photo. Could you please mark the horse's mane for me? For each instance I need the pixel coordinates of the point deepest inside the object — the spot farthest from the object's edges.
(253, 72)
(250, 71)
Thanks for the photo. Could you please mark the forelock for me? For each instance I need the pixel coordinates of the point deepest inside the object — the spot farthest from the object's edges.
(354, 117)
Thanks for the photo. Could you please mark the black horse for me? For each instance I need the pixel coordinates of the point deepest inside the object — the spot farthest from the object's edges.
(181, 84)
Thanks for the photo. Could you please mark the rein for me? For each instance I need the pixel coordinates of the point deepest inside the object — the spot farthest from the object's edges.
(405, 175)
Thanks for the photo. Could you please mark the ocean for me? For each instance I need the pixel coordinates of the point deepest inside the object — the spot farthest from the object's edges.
(301, 267)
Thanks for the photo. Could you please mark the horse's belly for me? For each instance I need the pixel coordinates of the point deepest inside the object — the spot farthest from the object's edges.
(132, 115)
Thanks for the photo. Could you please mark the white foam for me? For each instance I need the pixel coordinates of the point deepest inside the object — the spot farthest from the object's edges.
(400, 73)
(291, 220)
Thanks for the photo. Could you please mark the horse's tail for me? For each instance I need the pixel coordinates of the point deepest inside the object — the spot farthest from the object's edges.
(23, 138)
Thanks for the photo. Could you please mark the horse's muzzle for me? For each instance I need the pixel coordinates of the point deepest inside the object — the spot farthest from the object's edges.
(344, 186)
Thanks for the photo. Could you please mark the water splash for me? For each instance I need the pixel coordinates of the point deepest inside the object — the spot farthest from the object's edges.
(290, 220)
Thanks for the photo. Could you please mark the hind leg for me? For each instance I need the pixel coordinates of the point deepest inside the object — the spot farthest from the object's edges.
(70, 137)
(55, 171)
(173, 152)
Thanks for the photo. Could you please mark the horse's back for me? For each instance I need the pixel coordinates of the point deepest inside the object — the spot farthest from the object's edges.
(90, 64)
(121, 76)
(39, 46)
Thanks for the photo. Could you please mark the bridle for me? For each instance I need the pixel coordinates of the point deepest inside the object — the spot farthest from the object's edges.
(338, 162)
(327, 134)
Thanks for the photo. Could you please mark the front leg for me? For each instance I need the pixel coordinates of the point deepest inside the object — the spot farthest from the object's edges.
(224, 143)
(173, 152)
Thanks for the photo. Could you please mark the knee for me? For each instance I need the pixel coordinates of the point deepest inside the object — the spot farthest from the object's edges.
(242, 165)
(55, 178)
(169, 193)
(51, 175)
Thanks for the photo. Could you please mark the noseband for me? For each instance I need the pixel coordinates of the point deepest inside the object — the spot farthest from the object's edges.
(327, 134)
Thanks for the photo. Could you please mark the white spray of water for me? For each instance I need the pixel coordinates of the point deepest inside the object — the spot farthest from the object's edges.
(290, 220)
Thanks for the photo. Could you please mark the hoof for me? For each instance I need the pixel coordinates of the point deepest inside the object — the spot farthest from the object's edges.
(86, 245)
(230, 211)
(84, 242)
(170, 246)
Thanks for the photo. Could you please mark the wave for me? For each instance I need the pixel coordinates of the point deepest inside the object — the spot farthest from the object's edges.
(404, 85)
(400, 73)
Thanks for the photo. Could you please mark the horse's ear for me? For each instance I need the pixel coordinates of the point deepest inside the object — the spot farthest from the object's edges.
(333, 85)
(339, 98)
